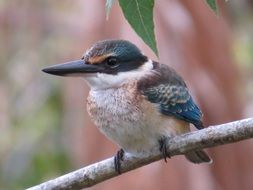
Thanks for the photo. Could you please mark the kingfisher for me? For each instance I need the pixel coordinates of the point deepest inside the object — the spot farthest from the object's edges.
(136, 102)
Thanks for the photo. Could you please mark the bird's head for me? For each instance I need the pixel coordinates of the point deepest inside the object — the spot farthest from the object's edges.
(106, 64)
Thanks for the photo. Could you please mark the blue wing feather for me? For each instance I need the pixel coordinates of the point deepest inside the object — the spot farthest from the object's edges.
(187, 111)
(175, 103)
(168, 90)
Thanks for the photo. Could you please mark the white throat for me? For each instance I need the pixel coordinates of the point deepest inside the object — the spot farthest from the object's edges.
(101, 81)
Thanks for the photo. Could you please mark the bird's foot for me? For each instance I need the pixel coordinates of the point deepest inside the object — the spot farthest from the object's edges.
(163, 142)
(117, 159)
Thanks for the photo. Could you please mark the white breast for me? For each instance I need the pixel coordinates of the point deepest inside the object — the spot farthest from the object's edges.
(128, 119)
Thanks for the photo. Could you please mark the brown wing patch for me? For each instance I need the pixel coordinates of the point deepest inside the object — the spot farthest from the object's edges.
(98, 58)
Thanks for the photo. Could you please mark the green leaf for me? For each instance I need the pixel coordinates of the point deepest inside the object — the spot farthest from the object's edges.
(108, 6)
(139, 14)
(213, 5)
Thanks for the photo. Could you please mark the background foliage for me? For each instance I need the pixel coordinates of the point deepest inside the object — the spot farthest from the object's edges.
(139, 14)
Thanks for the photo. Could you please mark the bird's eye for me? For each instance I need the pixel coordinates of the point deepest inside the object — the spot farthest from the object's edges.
(112, 62)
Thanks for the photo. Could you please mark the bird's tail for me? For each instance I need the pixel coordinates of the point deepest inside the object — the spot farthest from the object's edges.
(198, 157)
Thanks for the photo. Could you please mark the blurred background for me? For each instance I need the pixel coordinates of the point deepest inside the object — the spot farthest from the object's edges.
(44, 127)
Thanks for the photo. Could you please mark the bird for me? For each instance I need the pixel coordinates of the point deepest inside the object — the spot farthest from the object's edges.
(138, 103)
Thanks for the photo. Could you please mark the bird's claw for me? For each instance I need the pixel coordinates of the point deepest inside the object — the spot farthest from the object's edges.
(163, 148)
(117, 159)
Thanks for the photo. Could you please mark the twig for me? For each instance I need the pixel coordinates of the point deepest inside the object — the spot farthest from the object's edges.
(101, 171)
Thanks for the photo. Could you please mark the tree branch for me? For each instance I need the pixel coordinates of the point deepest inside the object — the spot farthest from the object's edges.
(101, 171)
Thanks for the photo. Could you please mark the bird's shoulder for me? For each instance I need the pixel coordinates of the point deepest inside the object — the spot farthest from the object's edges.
(159, 77)
(167, 89)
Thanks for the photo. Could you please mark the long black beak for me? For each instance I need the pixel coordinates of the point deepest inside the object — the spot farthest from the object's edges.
(72, 68)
